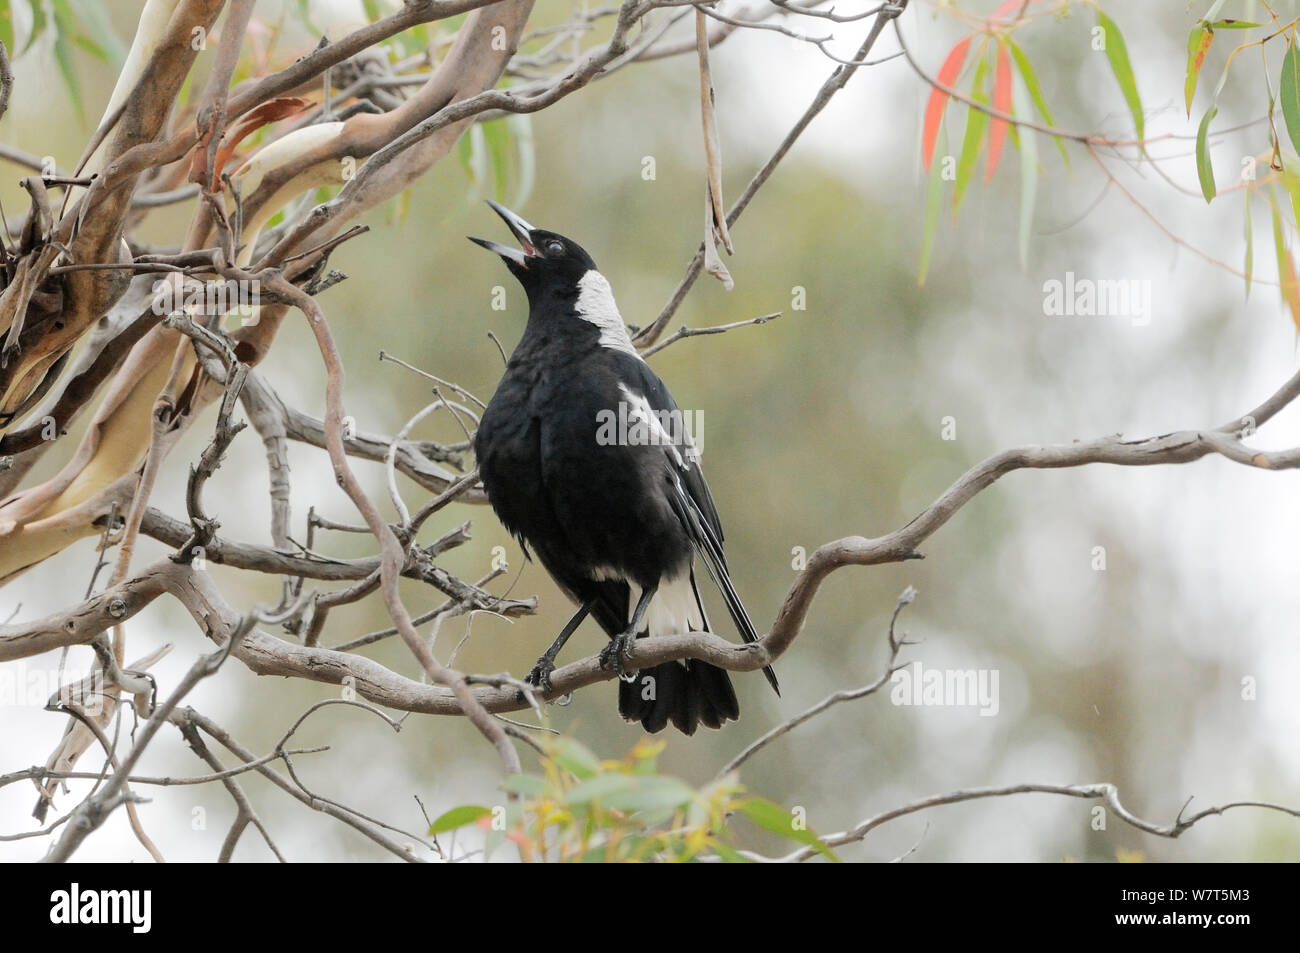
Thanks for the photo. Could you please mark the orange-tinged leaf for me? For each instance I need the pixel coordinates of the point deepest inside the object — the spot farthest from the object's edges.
(939, 99)
(1285, 266)
(1002, 103)
(1198, 44)
(265, 114)
(1291, 288)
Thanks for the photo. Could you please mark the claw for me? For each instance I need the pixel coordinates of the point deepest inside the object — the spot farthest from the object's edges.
(618, 649)
(541, 675)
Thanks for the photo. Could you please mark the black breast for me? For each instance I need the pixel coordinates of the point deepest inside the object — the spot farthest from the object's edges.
(588, 510)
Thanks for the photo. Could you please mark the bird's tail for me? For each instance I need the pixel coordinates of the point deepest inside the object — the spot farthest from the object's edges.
(688, 694)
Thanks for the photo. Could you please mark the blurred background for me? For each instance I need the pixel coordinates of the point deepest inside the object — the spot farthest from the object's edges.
(828, 422)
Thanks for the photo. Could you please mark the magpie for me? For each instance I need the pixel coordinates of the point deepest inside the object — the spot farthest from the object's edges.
(616, 515)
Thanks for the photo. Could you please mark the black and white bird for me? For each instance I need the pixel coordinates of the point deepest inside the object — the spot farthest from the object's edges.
(616, 522)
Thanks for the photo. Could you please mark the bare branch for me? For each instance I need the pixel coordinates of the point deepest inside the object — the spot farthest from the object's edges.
(685, 332)
(895, 646)
(223, 737)
(838, 79)
(92, 812)
(82, 623)
(1105, 792)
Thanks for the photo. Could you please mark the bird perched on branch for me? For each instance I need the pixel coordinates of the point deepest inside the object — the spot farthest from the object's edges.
(616, 514)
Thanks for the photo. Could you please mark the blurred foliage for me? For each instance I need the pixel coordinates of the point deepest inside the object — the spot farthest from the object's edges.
(582, 809)
(826, 422)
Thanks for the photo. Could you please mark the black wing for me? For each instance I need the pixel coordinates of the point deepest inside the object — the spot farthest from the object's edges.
(690, 498)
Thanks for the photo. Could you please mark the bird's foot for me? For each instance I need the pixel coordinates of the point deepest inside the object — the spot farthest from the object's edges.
(541, 674)
(619, 648)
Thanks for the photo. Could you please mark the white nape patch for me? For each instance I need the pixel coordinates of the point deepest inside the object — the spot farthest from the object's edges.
(596, 305)
(673, 609)
(638, 408)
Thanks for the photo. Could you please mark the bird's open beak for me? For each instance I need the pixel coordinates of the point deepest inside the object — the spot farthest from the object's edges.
(521, 230)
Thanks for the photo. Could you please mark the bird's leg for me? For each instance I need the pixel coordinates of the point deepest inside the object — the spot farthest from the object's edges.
(541, 673)
(620, 646)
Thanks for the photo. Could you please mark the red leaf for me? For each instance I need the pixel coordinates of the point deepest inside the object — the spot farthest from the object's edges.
(265, 114)
(939, 99)
(1002, 103)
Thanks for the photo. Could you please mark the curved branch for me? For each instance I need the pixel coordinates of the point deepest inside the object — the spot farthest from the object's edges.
(393, 555)
(1181, 447)
(268, 655)
(82, 623)
(1105, 792)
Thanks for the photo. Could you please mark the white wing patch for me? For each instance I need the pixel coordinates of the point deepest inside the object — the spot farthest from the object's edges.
(596, 305)
(674, 440)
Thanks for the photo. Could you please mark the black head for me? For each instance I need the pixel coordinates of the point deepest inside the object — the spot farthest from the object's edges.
(544, 262)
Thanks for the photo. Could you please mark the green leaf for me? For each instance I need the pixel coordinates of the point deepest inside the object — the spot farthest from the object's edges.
(1290, 286)
(1289, 91)
(1036, 94)
(1292, 183)
(91, 47)
(729, 854)
(1028, 171)
(1198, 44)
(100, 32)
(773, 817)
(1204, 170)
(599, 788)
(576, 758)
(521, 131)
(1279, 242)
(653, 816)
(496, 136)
(63, 42)
(1117, 54)
(526, 785)
(304, 14)
(7, 29)
(652, 794)
(933, 199)
(39, 22)
(465, 153)
(458, 817)
(977, 122)
(475, 158)
(1232, 25)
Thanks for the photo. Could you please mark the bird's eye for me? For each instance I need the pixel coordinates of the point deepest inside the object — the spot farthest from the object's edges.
(555, 247)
